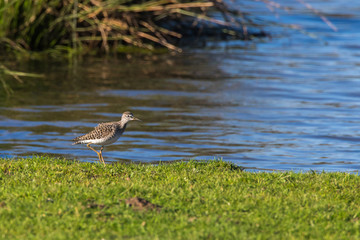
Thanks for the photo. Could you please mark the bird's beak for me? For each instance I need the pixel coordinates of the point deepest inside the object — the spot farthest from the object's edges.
(136, 119)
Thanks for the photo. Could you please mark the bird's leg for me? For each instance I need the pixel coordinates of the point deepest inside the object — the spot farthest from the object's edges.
(102, 148)
(88, 145)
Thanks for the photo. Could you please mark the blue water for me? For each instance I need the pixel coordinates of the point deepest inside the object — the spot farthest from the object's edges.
(289, 102)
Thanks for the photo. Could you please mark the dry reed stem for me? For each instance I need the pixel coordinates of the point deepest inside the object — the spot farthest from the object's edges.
(166, 7)
(154, 39)
(315, 11)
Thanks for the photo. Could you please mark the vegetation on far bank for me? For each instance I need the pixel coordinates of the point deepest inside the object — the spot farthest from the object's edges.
(61, 29)
(72, 27)
(47, 198)
(108, 25)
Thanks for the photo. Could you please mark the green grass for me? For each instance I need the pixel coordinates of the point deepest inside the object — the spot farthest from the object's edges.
(47, 198)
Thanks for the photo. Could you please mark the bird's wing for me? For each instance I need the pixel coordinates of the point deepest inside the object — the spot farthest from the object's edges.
(103, 125)
(103, 130)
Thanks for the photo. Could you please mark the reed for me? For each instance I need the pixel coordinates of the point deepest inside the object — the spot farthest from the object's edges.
(74, 25)
(80, 26)
(61, 28)
(6, 73)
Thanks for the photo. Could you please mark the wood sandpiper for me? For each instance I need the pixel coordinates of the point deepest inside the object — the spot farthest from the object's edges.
(105, 134)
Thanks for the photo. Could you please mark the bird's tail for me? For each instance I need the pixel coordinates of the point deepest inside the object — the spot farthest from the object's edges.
(76, 141)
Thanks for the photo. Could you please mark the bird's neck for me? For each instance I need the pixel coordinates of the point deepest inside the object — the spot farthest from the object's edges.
(122, 124)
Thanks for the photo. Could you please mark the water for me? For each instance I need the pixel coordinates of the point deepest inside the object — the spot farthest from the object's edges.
(287, 103)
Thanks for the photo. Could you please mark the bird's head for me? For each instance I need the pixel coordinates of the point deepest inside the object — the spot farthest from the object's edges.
(128, 116)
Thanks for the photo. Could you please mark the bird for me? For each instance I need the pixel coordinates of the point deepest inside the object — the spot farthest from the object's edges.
(105, 134)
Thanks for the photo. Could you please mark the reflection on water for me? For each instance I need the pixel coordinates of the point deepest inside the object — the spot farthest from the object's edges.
(288, 103)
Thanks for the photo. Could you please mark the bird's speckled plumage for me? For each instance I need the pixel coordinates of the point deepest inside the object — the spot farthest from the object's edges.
(105, 133)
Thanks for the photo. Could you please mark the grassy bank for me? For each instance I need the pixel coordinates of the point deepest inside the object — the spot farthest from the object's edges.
(44, 198)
